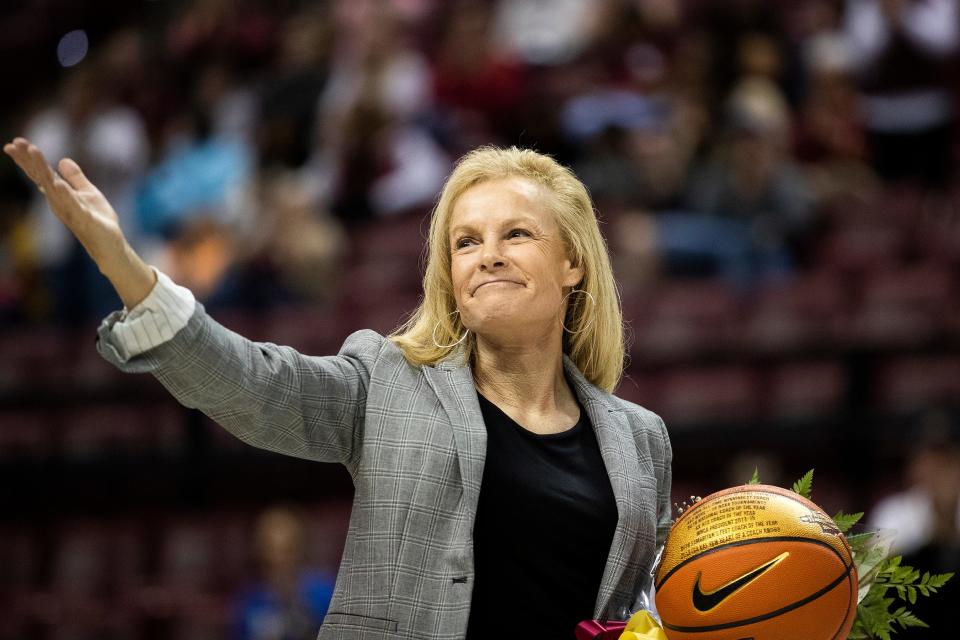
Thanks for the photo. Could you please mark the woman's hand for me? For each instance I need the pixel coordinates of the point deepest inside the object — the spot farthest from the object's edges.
(87, 214)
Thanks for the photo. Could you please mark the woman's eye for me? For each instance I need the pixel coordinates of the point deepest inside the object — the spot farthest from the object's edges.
(461, 243)
(518, 233)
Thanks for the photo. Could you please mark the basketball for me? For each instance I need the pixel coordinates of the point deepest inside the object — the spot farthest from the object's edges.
(756, 562)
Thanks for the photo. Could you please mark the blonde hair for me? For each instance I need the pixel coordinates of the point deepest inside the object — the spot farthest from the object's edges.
(594, 339)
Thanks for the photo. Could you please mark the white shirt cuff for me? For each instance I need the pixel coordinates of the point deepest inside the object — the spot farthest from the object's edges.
(156, 319)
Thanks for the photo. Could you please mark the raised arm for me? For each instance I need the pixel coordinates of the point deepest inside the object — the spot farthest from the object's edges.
(267, 395)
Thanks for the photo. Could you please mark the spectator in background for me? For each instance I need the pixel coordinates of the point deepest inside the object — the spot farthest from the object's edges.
(926, 518)
(294, 252)
(86, 122)
(639, 137)
(739, 209)
(830, 140)
(17, 259)
(549, 32)
(478, 88)
(290, 601)
(927, 512)
(288, 98)
(243, 32)
(196, 200)
(372, 149)
(744, 37)
(201, 173)
(902, 50)
(754, 198)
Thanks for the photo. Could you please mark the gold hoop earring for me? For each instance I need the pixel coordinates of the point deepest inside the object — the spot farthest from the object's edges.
(448, 346)
(592, 302)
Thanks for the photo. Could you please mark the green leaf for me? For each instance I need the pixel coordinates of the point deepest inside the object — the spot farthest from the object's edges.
(755, 478)
(804, 486)
(905, 618)
(875, 619)
(846, 520)
(938, 580)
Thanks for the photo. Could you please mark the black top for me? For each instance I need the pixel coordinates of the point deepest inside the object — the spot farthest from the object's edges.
(545, 522)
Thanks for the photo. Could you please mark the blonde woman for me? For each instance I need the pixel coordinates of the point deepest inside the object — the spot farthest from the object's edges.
(501, 490)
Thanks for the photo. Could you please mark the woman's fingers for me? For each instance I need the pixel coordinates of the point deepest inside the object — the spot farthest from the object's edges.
(44, 175)
(18, 151)
(60, 194)
(30, 159)
(74, 175)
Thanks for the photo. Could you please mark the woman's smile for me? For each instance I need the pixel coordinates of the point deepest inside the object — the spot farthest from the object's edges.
(497, 284)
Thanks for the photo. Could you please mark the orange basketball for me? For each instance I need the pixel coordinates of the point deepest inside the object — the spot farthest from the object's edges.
(756, 562)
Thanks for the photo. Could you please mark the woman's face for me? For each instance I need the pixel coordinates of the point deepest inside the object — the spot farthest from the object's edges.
(508, 262)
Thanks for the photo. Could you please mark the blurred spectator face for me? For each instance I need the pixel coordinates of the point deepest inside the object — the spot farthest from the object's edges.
(502, 230)
(660, 159)
(759, 56)
(122, 57)
(311, 244)
(80, 91)
(306, 40)
(201, 255)
(279, 540)
(466, 42)
(659, 15)
(937, 471)
(759, 120)
(647, 66)
(367, 29)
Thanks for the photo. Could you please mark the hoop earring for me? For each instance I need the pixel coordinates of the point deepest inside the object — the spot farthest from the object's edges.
(448, 346)
(592, 302)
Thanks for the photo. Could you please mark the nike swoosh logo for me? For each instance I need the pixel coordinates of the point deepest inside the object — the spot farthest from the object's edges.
(705, 601)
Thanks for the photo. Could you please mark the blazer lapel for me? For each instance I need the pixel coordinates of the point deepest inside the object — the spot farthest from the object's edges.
(452, 381)
(619, 453)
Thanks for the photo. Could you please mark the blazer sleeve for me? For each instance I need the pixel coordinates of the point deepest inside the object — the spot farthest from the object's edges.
(269, 396)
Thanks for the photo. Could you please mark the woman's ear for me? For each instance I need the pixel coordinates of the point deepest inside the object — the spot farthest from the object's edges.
(574, 275)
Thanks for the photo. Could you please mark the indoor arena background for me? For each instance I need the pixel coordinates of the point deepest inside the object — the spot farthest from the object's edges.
(777, 182)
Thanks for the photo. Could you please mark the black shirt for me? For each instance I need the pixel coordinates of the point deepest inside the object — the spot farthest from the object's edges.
(545, 522)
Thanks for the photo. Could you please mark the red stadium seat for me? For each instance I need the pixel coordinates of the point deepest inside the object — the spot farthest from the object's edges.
(796, 315)
(912, 383)
(639, 387)
(389, 313)
(81, 562)
(403, 236)
(937, 229)
(903, 307)
(709, 395)
(312, 331)
(685, 319)
(863, 247)
(20, 558)
(327, 526)
(34, 356)
(189, 557)
(105, 430)
(805, 390)
(26, 434)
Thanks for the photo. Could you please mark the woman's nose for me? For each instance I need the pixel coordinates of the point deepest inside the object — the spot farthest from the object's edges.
(492, 257)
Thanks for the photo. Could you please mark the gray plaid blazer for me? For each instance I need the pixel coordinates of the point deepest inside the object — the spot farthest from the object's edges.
(414, 442)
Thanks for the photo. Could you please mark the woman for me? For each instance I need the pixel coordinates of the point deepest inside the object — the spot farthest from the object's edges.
(501, 490)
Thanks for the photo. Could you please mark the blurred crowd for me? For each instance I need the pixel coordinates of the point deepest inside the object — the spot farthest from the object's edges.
(285, 154)
(246, 144)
